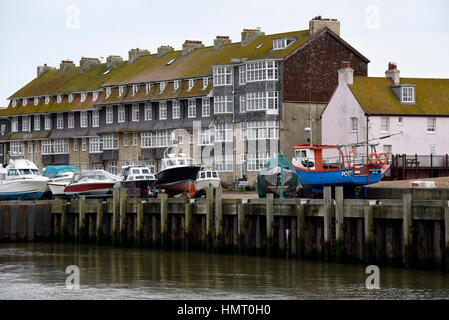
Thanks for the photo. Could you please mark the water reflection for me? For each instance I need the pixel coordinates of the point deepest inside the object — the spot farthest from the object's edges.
(31, 271)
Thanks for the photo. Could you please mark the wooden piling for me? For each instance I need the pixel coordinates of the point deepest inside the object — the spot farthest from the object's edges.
(407, 235)
(242, 208)
(209, 219)
(164, 217)
(187, 226)
(64, 218)
(115, 214)
(369, 235)
(300, 231)
(446, 236)
(100, 223)
(327, 197)
(219, 241)
(122, 220)
(82, 218)
(270, 219)
(339, 223)
(139, 223)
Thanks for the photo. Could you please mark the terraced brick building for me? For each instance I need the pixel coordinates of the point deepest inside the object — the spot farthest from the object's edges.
(231, 105)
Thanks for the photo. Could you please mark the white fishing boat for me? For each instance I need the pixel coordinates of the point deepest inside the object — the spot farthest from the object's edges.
(21, 180)
(206, 178)
(138, 179)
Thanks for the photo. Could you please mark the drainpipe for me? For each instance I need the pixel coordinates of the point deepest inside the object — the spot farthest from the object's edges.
(367, 135)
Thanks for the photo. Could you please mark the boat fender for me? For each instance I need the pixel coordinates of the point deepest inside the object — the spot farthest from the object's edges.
(373, 158)
(383, 158)
(192, 190)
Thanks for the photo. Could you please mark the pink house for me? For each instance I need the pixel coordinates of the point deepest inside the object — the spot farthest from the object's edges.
(365, 108)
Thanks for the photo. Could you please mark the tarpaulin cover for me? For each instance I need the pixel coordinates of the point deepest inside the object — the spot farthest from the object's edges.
(55, 171)
(271, 172)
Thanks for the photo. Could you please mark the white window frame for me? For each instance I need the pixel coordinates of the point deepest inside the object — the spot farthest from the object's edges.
(205, 107)
(261, 71)
(94, 96)
(75, 144)
(71, 120)
(47, 122)
(135, 113)
(176, 109)
(176, 84)
(83, 144)
(58, 99)
(223, 104)
(135, 137)
(384, 124)
(71, 96)
(14, 103)
(408, 94)
(36, 101)
(60, 121)
(431, 125)
(109, 114)
(47, 99)
(242, 103)
(242, 75)
(156, 139)
(121, 114)
(25, 102)
(95, 118)
(15, 124)
(260, 130)
(125, 139)
(26, 127)
(163, 110)
(17, 148)
(224, 132)
(83, 96)
(37, 122)
(432, 149)
(224, 162)
(222, 76)
(135, 89)
(147, 88)
(95, 145)
(191, 109)
(110, 141)
(108, 92)
(121, 89)
(162, 86)
(354, 122)
(84, 120)
(191, 84)
(148, 113)
(112, 167)
(205, 82)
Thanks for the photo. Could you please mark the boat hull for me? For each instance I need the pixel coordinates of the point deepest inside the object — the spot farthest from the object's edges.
(144, 186)
(177, 180)
(316, 180)
(23, 189)
(96, 189)
(200, 185)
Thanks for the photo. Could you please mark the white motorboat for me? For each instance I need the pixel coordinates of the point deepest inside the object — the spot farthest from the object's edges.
(206, 178)
(138, 179)
(21, 180)
(91, 183)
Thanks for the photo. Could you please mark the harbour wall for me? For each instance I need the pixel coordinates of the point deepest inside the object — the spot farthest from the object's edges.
(406, 232)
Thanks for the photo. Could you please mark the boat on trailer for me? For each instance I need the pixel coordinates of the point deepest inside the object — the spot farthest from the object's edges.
(319, 166)
(91, 183)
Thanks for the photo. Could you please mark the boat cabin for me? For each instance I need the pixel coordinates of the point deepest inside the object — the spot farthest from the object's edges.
(19, 169)
(177, 160)
(131, 173)
(318, 157)
(208, 175)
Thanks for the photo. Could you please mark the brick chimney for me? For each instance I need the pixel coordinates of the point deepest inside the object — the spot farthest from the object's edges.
(163, 50)
(41, 70)
(317, 24)
(220, 41)
(393, 73)
(345, 73)
(135, 54)
(249, 35)
(190, 45)
(112, 60)
(65, 65)
(87, 63)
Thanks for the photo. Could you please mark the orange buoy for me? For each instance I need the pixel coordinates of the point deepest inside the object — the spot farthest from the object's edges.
(383, 158)
(373, 158)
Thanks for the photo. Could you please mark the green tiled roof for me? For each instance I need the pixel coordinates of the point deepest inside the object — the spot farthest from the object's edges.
(376, 97)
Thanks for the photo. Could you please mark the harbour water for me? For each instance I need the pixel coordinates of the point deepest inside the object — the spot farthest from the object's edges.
(37, 271)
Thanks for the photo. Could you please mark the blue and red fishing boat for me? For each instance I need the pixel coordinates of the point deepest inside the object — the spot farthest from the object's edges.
(326, 165)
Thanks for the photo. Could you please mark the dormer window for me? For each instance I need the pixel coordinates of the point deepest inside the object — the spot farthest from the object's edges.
(176, 84)
(47, 99)
(25, 102)
(59, 99)
(135, 88)
(14, 103)
(108, 92)
(191, 83)
(147, 88)
(279, 44)
(70, 98)
(36, 101)
(120, 90)
(95, 96)
(408, 94)
(162, 86)
(205, 82)
(83, 96)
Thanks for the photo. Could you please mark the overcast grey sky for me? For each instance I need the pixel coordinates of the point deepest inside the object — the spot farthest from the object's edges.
(414, 34)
